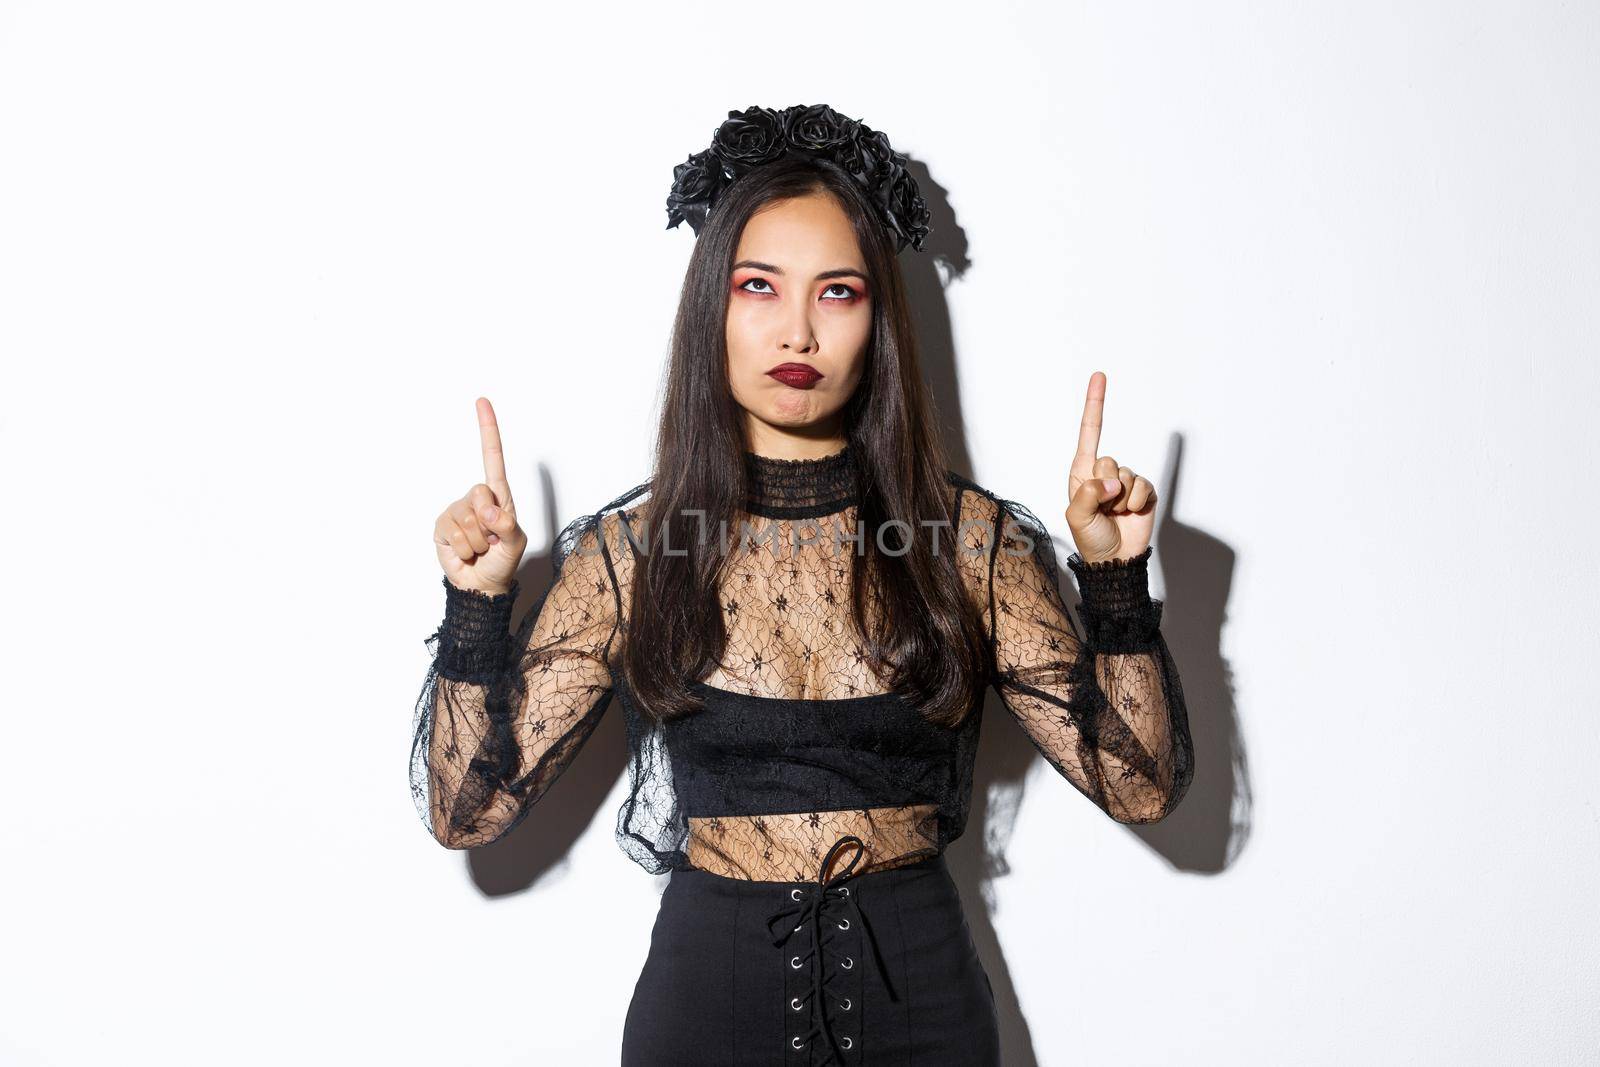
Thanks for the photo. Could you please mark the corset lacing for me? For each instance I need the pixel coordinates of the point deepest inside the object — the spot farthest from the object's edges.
(810, 910)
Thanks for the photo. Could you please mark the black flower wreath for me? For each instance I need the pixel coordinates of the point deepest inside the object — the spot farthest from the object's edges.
(760, 135)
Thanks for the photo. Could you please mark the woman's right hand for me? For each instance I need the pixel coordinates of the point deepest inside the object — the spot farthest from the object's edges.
(477, 537)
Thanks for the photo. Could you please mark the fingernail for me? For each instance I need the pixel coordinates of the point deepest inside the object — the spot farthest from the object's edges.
(489, 514)
(494, 539)
(1112, 484)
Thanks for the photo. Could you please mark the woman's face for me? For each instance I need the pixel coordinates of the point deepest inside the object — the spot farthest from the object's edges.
(799, 297)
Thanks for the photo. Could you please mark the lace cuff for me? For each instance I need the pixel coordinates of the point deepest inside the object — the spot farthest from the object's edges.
(1118, 614)
(475, 638)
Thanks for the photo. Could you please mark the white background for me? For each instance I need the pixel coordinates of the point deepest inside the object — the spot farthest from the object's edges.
(1338, 260)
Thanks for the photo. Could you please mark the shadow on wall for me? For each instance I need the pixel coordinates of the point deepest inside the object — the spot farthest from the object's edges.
(1210, 825)
(1203, 835)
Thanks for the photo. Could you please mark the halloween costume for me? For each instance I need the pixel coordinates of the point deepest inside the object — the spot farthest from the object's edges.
(804, 810)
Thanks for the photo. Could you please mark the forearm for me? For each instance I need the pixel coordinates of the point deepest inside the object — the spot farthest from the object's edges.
(469, 745)
(1142, 741)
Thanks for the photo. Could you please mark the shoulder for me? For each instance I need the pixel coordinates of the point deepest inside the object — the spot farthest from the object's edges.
(1000, 538)
(979, 503)
(982, 525)
(599, 535)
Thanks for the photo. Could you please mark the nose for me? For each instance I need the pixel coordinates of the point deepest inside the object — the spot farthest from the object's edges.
(798, 336)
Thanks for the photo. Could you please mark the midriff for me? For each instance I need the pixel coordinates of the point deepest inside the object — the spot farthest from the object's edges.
(790, 847)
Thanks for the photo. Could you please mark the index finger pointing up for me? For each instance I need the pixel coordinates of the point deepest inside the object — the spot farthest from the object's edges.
(1094, 406)
(494, 460)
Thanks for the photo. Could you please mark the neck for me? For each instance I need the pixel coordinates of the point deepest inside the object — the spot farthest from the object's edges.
(781, 442)
(789, 487)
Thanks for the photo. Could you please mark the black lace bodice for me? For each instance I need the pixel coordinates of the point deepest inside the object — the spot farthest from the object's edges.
(798, 743)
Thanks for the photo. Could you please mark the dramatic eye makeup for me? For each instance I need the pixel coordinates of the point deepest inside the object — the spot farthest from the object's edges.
(833, 292)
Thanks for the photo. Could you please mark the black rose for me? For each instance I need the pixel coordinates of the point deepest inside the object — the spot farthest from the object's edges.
(907, 210)
(864, 155)
(695, 183)
(817, 128)
(749, 138)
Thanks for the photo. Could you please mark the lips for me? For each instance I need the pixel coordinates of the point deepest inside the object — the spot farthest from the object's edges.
(798, 375)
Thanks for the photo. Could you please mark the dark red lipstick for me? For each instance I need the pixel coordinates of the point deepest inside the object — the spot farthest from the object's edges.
(799, 375)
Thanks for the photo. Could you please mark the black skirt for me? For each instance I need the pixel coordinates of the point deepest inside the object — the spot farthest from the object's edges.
(876, 968)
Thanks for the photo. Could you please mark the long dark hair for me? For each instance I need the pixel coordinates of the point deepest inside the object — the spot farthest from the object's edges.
(929, 643)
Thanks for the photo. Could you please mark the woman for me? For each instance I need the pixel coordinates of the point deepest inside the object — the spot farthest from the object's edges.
(800, 613)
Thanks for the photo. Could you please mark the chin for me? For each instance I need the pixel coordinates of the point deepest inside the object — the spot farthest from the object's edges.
(795, 412)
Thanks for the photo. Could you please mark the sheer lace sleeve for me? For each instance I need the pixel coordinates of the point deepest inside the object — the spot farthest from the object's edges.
(502, 714)
(1106, 709)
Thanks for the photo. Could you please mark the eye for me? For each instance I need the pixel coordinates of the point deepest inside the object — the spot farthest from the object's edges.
(849, 293)
(756, 281)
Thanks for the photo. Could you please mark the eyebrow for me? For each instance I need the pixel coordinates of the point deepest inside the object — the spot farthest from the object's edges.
(839, 272)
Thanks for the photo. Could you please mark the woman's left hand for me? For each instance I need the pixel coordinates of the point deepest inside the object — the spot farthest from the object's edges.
(1112, 511)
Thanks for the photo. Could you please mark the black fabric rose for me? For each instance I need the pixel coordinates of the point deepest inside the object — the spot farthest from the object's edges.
(817, 128)
(749, 138)
(890, 185)
(865, 155)
(695, 184)
(907, 210)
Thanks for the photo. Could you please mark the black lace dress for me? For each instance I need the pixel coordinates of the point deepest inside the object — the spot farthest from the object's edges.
(804, 812)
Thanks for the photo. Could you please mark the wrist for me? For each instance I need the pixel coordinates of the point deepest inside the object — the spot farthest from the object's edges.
(1118, 615)
(491, 591)
(476, 633)
(1114, 586)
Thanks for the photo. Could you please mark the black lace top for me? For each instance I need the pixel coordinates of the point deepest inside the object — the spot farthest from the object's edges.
(798, 744)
